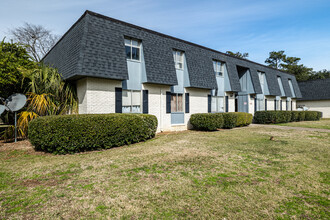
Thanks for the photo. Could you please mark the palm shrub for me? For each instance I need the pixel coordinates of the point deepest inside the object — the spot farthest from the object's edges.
(47, 94)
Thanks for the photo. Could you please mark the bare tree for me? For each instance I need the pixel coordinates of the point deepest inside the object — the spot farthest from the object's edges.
(37, 39)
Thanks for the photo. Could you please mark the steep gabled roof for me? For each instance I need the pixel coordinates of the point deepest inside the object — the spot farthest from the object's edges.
(318, 89)
(94, 46)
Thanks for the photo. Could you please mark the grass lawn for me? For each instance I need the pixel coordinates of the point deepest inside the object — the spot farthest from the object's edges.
(324, 123)
(232, 174)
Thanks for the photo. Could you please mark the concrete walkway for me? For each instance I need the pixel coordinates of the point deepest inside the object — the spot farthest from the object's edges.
(290, 128)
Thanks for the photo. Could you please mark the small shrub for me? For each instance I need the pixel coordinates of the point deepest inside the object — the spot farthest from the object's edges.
(229, 120)
(77, 133)
(206, 121)
(243, 119)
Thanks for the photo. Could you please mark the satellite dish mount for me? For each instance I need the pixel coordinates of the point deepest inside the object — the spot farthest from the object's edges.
(13, 104)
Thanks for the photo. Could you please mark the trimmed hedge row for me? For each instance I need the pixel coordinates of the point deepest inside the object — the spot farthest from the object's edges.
(77, 133)
(206, 121)
(275, 117)
(214, 121)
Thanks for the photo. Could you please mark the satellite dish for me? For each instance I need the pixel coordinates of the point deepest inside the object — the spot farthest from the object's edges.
(2, 109)
(15, 102)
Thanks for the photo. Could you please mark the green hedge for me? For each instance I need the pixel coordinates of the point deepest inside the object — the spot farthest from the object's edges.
(214, 121)
(77, 133)
(275, 117)
(206, 121)
(230, 120)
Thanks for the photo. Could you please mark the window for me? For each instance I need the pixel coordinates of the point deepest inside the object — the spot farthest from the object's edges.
(132, 48)
(178, 59)
(176, 102)
(217, 104)
(218, 68)
(262, 81)
(131, 101)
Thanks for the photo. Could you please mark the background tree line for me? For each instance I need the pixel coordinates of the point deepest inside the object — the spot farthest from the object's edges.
(279, 60)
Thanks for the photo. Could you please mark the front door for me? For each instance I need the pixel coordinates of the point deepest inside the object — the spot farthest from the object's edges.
(243, 102)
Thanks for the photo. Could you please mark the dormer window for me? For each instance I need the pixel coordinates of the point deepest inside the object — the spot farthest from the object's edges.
(218, 68)
(178, 59)
(132, 48)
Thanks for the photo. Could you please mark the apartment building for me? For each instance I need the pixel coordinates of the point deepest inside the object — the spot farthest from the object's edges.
(123, 68)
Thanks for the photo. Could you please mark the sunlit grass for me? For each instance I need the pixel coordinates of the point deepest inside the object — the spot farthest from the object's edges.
(323, 124)
(232, 174)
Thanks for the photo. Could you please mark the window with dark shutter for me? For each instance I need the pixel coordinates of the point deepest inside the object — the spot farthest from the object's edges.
(227, 103)
(145, 104)
(168, 102)
(187, 102)
(265, 104)
(118, 103)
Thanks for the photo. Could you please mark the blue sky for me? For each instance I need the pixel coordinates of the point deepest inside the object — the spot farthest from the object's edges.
(300, 27)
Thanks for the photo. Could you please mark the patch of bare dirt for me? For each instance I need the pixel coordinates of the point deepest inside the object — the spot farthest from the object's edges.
(23, 145)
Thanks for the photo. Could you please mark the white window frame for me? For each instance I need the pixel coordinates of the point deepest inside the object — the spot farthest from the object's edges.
(219, 68)
(178, 59)
(217, 98)
(131, 101)
(131, 45)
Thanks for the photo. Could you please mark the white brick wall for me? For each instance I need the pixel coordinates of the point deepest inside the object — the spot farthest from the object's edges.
(197, 103)
(320, 105)
(284, 104)
(270, 103)
(231, 102)
(96, 95)
(157, 105)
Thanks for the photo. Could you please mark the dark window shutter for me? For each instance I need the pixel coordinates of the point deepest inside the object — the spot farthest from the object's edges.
(119, 97)
(227, 104)
(145, 103)
(187, 102)
(209, 103)
(287, 105)
(168, 102)
(291, 106)
(255, 104)
(281, 105)
(275, 105)
(265, 104)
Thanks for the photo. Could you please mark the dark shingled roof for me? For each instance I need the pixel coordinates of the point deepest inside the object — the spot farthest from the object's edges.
(318, 89)
(94, 46)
